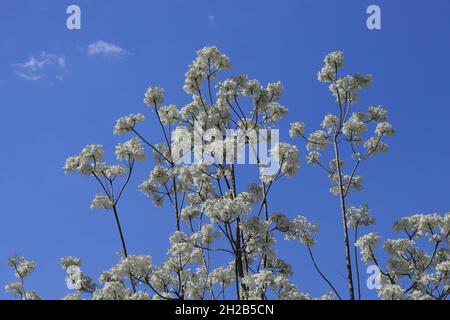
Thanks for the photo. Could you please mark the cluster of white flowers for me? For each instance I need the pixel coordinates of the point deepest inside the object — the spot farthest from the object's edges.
(355, 126)
(154, 96)
(346, 89)
(223, 276)
(287, 155)
(72, 297)
(257, 283)
(102, 201)
(375, 146)
(359, 216)
(332, 61)
(281, 222)
(423, 224)
(92, 152)
(391, 292)
(443, 271)
(204, 237)
(313, 157)
(411, 272)
(126, 124)
(70, 261)
(209, 60)
(114, 290)
(256, 235)
(377, 113)
(188, 213)
(398, 246)
(302, 230)
(15, 288)
(367, 244)
(169, 114)
(228, 209)
(265, 99)
(349, 183)
(86, 161)
(297, 129)
(131, 149)
(138, 267)
(330, 122)
(111, 172)
(23, 268)
(317, 140)
(384, 129)
(185, 177)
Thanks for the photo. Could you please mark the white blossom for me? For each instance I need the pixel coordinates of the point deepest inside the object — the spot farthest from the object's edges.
(346, 88)
(317, 140)
(359, 216)
(138, 296)
(330, 122)
(374, 146)
(281, 222)
(139, 266)
(302, 230)
(398, 246)
(313, 157)
(355, 126)
(223, 276)
(72, 296)
(384, 129)
(126, 124)
(131, 149)
(22, 267)
(15, 288)
(391, 292)
(332, 61)
(169, 114)
(92, 152)
(189, 213)
(32, 295)
(227, 209)
(366, 245)
(70, 261)
(102, 201)
(154, 96)
(377, 113)
(287, 155)
(112, 291)
(209, 59)
(297, 129)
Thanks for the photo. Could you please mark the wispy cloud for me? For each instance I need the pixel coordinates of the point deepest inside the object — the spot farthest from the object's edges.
(45, 65)
(103, 48)
(211, 18)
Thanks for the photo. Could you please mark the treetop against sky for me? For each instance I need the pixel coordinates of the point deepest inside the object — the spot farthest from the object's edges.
(360, 155)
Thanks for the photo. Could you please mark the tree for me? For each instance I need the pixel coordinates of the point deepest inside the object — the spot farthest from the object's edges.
(221, 216)
(344, 133)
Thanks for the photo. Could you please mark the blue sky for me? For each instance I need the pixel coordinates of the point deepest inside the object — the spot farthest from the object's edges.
(72, 98)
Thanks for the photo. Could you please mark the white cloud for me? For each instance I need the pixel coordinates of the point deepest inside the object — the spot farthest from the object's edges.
(211, 18)
(42, 66)
(103, 48)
